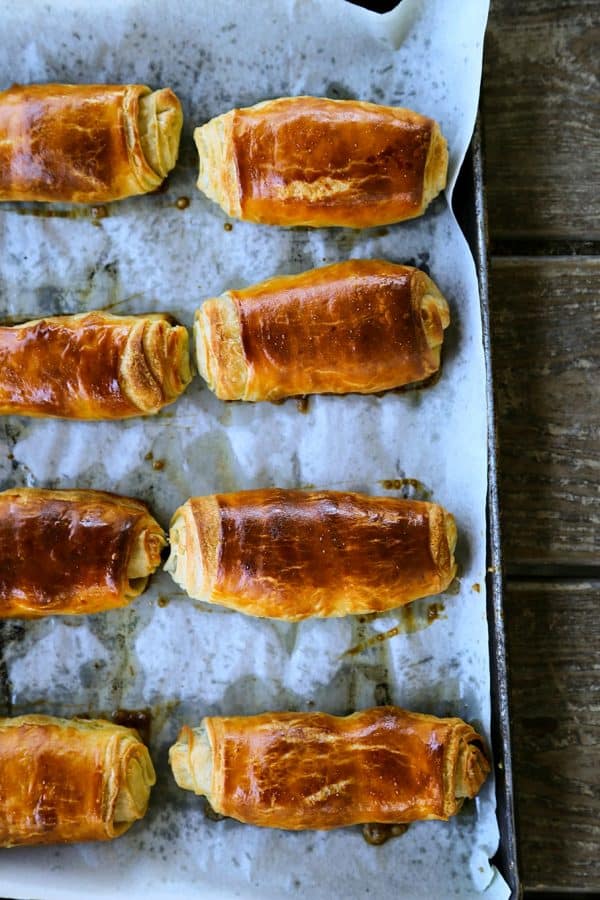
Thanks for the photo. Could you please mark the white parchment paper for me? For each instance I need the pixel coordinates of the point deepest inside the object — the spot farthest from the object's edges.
(180, 658)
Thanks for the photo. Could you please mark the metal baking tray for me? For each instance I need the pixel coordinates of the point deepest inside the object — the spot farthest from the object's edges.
(470, 210)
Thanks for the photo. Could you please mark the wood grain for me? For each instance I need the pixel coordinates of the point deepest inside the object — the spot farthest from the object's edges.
(554, 655)
(541, 119)
(547, 375)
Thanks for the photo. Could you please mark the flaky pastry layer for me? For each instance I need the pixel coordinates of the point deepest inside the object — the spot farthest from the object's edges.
(313, 770)
(319, 162)
(73, 552)
(86, 143)
(290, 555)
(67, 780)
(93, 366)
(360, 326)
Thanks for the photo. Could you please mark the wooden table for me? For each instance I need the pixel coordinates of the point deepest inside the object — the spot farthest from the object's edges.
(541, 122)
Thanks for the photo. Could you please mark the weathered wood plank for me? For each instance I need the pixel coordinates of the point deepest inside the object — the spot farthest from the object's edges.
(553, 632)
(541, 119)
(545, 317)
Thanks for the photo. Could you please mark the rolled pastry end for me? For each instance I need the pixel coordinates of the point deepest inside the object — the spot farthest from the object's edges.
(472, 768)
(219, 350)
(218, 174)
(436, 167)
(442, 537)
(155, 366)
(145, 557)
(159, 121)
(191, 758)
(434, 309)
(136, 777)
(194, 536)
(70, 780)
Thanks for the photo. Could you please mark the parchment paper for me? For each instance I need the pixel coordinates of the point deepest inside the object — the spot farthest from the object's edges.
(180, 658)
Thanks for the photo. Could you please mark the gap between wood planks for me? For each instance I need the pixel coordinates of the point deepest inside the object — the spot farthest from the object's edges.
(527, 248)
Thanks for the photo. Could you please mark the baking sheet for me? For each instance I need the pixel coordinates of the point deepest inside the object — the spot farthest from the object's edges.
(166, 652)
(469, 203)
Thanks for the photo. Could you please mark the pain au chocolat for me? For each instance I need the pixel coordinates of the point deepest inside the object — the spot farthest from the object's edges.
(72, 552)
(313, 770)
(93, 366)
(360, 326)
(289, 554)
(67, 780)
(86, 143)
(314, 161)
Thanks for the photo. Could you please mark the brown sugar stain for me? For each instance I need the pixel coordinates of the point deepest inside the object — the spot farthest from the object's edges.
(376, 833)
(140, 719)
(375, 639)
(113, 304)
(157, 464)
(409, 623)
(434, 611)
(163, 601)
(97, 213)
(399, 484)
(227, 226)
(476, 587)
(182, 202)
(302, 404)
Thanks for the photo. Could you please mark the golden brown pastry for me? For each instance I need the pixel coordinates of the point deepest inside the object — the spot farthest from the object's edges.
(358, 326)
(293, 554)
(65, 780)
(312, 770)
(93, 366)
(89, 143)
(313, 161)
(71, 552)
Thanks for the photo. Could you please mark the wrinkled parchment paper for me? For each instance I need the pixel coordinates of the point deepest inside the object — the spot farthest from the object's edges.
(182, 659)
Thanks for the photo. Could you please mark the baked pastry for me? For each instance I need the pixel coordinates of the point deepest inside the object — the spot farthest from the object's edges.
(358, 326)
(312, 770)
(86, 143)
(66, 780)
(70, 552)
(313, 161)
(93, 366)
(293, 554)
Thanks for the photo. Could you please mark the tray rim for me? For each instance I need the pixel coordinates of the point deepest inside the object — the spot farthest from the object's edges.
(473, 222)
